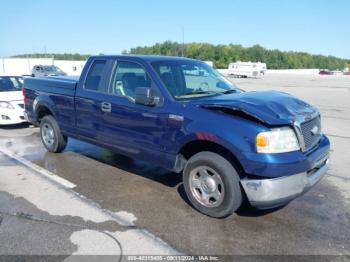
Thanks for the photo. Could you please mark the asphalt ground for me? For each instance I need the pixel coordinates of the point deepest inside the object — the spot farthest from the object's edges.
(153, 200)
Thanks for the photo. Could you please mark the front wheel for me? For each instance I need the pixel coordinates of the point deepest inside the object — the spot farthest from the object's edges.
(51, 135)
(212, 184)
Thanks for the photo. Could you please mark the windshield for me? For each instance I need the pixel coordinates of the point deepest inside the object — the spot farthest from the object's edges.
(191, 79)
(52, 69)
(11, 83)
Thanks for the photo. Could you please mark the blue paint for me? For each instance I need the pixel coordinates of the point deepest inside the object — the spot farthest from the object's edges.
(149, 133)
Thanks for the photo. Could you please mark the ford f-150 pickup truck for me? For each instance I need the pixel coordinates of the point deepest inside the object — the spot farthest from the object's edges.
(231, 146)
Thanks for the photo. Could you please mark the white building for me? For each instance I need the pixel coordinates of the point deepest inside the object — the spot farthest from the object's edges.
(23, 66)
(210, 63)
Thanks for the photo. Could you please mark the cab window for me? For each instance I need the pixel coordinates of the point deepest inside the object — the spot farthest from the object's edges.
(127, 76)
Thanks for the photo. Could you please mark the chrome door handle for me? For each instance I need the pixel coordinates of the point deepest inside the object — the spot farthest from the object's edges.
(106, 107)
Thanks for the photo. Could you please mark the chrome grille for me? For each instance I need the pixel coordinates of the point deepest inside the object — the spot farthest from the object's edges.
(311, 131)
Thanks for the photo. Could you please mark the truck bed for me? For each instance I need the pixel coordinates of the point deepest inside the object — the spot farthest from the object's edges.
(64, 85)
(58, 93)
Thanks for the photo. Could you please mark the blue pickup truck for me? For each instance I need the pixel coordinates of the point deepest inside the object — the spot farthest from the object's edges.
(231, 146)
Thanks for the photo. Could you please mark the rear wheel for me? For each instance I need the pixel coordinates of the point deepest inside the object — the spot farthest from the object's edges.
(212, 184)
(51, 135)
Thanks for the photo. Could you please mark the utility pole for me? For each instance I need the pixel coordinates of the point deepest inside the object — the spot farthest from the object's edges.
(3, 65)
(183, 42)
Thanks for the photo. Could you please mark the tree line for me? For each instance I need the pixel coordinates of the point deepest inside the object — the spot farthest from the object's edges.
(222, 55)
(64, 56)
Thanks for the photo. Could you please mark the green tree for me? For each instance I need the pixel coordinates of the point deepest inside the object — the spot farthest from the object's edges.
(65, 56)
(222, 55)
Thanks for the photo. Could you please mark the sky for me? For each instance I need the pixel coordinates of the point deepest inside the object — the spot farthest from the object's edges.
(111, 26)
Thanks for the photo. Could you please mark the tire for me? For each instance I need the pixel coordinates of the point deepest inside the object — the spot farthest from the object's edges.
(225, 195)
(51, 135)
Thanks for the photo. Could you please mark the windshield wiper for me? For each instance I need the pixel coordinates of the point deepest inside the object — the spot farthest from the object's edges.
(198, 93)
(231, 91)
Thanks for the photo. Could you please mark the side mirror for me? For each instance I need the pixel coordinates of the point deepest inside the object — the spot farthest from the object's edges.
(145, 96)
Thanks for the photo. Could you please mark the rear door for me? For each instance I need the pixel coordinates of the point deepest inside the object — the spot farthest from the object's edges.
(90, 99)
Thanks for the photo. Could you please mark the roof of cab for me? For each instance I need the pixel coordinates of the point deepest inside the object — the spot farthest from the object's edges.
(146, 58)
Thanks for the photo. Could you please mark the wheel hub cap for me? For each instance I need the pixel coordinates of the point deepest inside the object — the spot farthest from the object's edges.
(209, 184)
(206, 186)
(48, 134)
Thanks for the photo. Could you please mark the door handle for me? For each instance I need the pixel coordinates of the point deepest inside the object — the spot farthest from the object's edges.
(106, 107)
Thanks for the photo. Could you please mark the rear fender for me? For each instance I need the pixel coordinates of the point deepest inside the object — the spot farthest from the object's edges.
(43, 101)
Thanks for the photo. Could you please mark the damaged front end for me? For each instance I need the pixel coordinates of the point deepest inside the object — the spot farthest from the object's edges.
(235, 111)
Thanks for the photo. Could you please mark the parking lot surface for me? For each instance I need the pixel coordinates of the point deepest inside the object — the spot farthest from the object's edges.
(153, 199)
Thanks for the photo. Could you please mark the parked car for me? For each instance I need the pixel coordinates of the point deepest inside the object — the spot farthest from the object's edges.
(230, 145)
(11, 100)
(325, 72)
(47, 70)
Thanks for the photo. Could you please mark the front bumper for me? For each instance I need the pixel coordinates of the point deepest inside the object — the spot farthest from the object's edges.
(283, 164)
(270, 193)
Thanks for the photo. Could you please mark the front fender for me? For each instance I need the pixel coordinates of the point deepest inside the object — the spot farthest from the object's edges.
(213, 138)
(237, 135)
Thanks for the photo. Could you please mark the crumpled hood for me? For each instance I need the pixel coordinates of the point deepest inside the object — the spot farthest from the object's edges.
(271, 107)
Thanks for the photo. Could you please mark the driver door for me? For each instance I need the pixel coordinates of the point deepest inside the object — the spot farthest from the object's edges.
(133, 128)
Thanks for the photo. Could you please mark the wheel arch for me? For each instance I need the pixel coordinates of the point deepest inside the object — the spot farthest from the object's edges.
(42, 108)
(195, 146)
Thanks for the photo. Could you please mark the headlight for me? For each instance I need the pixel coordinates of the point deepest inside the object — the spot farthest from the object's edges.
(6, 105)
(278, 140)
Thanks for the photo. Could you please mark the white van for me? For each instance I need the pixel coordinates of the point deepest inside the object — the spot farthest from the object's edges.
(246, 69)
